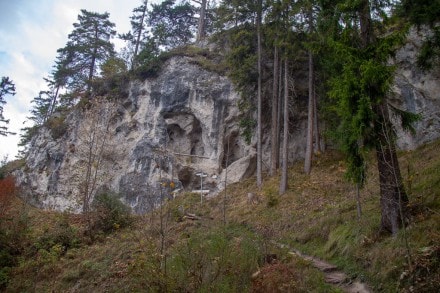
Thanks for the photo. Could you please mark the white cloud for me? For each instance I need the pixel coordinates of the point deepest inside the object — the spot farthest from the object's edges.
(30, 34)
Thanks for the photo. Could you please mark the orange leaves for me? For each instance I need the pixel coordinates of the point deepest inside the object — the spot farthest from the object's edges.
(8, 190)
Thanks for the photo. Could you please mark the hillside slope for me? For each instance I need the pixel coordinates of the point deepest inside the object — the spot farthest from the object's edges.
(217, 245)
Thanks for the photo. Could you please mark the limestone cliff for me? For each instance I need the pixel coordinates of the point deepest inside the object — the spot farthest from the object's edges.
(166, 130)
(416, 91)
(185, 121)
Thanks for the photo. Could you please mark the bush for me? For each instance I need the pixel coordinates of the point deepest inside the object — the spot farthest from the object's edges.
(7, 192)
(57, 126)
(113, 86)
(272, 197)
(14, 231)
(110, 213)
(219, 260)
(63, 235)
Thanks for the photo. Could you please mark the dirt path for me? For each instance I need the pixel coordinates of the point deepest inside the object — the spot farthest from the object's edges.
(332, 274)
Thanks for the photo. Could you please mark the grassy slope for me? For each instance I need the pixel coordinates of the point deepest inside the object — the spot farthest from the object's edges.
(317, 216)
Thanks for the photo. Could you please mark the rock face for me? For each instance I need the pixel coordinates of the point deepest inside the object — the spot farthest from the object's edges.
(416, 91)
(167, 130)
(153, 142)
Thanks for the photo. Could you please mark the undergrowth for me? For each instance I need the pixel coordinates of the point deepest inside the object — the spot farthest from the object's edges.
(169, 251)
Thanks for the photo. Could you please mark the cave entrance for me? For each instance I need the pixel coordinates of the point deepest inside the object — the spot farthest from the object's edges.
(231, 149)
(184, 132)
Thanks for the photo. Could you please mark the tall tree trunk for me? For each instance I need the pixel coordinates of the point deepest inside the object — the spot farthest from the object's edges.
(92, 64)
(393, 198)
(316, 131)
(283, 182)
(138, 37)
(280, 109)
(201, 31)
(259, 126)
(274, 126)
(53, 103)
(91, 72)
(309, 141)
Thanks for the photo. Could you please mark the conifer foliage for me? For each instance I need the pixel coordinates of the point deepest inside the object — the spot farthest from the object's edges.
(138, 35)
(88, 47)
(7, 87)
(346, 45)
(360, 86)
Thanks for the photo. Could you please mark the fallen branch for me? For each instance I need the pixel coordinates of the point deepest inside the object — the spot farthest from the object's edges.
(193, 217)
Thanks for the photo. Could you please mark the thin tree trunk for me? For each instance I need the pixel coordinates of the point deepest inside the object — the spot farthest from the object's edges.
(274, 127)
(309, 140)
(201, 32)
(225, 195)
(92, 65)
(138, 38)
(311, 106)
(316, 131)
(54, 101)
(259, 126)
(283, 182)
(280, 110)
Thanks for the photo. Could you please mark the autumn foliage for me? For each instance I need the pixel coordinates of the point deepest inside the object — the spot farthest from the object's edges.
(8, 190)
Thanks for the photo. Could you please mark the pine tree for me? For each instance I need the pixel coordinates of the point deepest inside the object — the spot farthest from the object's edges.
(138, 35)
(41, 108)
(87, 48)
(7, 87)
(201, 28)
(172, 24)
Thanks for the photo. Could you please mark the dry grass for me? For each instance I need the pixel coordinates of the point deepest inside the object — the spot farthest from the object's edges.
(316, 215)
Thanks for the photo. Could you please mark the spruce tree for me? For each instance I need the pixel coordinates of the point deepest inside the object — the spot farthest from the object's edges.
(360, 85)
(7, 87)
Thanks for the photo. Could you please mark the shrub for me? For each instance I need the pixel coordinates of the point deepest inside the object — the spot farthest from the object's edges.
(271, 197)
(219, 260)
(62, 236)
(110, 213)
(294, 276)
(150, 68)
(14, 230)
(113, 86)
(7, 192)
(57, 126)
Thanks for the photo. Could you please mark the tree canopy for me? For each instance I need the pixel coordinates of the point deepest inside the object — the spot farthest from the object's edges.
(344, 44)
(88, 47)
(172, 24)
(7, 87)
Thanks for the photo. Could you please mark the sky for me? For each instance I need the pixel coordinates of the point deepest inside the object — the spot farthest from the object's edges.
(31, 31)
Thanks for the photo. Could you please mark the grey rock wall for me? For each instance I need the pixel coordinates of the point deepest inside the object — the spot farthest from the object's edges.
(167, 130)
(416, 91)
(186, 121)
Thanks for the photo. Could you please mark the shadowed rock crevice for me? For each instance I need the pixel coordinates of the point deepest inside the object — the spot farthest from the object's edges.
(233, 149)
